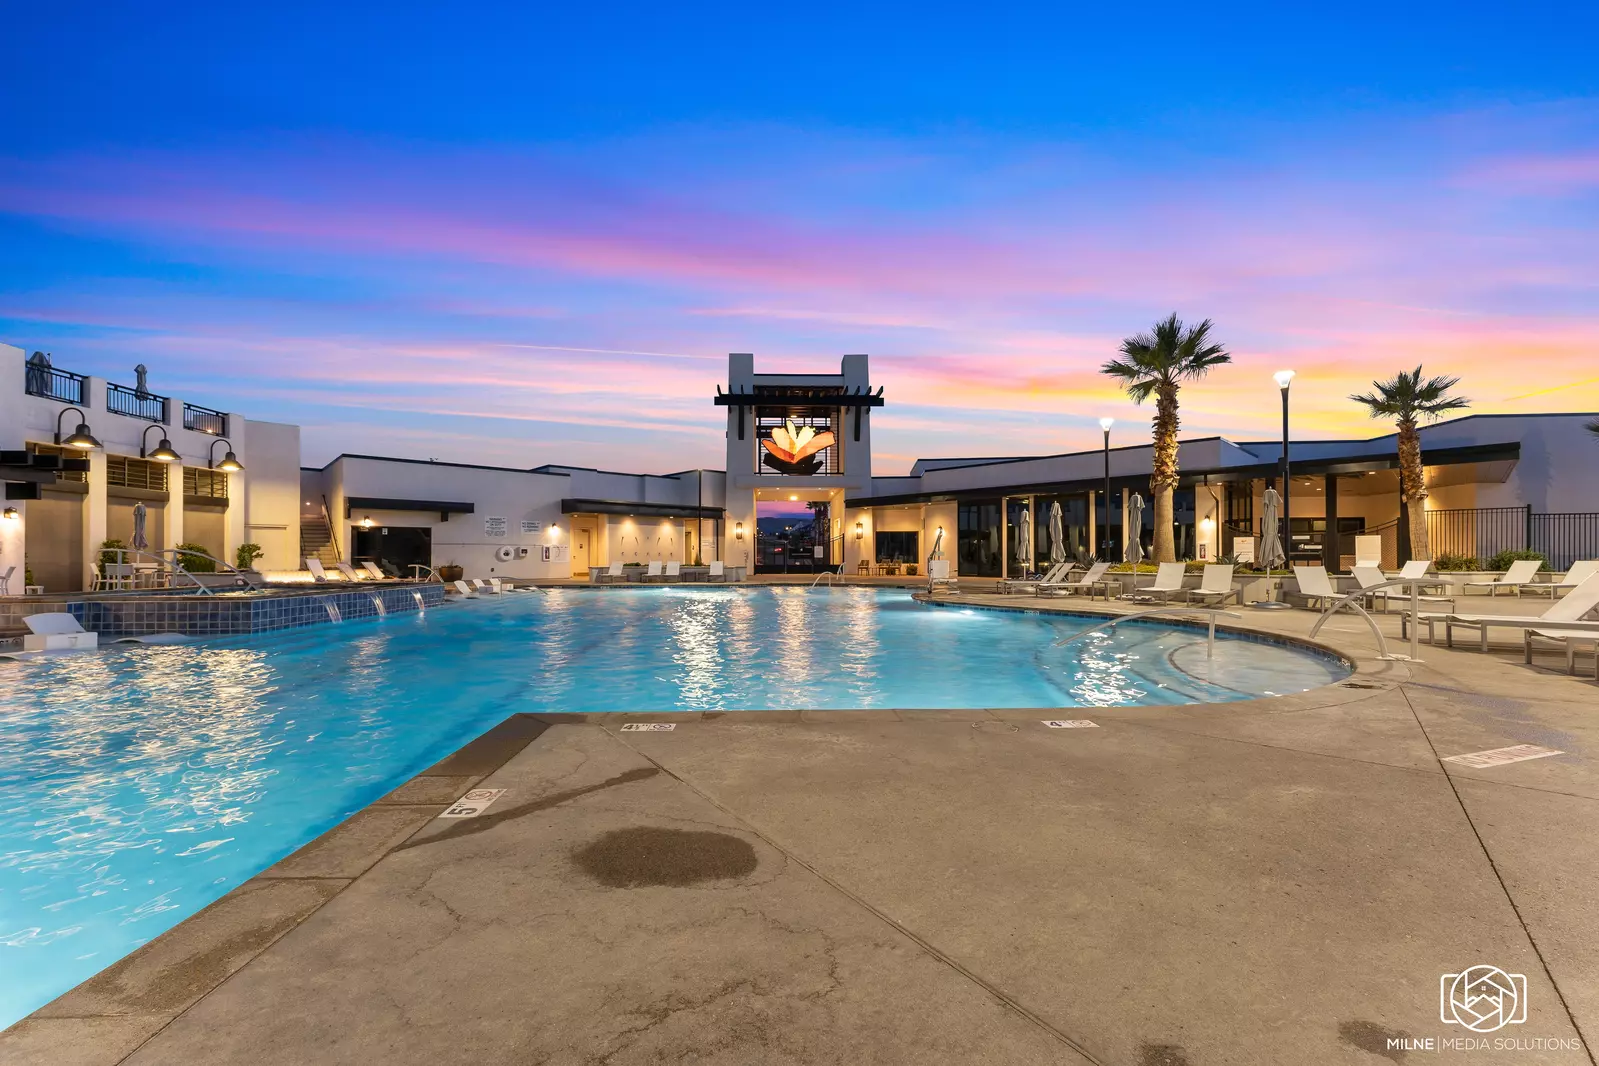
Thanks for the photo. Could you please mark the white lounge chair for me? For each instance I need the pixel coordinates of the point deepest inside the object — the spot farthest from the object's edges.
(1368, 551)
(464, 589)
(1521, 573)
(1580, 571)
(1575, 607)
(1314, 584)
(349, 572)
(1168, 582)
(674, 571)
(492, 586)
(718, 571)
(1093, 579)
(5, 581)
(609, 575)
(1215, 585)
(655, 571)
(1370, 576)
(56, 631)
(1417, 569)
(317, 573)
(1056, 573)
(374, 573)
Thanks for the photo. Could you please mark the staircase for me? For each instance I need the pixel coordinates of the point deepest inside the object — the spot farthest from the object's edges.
(316, 540)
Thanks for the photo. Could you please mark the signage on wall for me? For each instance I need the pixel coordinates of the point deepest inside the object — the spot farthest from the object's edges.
(532, 527)
(495, 527)
(556, 553)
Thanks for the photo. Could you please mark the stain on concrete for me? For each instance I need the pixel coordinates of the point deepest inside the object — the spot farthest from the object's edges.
(1162, 1055)
(647, 856)
(1373, 1038)
(484, 822)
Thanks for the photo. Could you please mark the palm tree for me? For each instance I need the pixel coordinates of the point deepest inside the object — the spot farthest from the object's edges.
(1593, 427)
(1407, 398)
(1156, 364)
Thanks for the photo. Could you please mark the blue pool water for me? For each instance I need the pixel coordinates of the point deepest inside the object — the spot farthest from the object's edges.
(140, 783)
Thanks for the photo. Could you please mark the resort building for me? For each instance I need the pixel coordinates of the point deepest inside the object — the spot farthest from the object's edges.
(79, 454)
(798, 492)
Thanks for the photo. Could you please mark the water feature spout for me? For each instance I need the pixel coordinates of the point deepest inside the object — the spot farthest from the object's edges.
(334, 614)
(420, 606)
(377, 605)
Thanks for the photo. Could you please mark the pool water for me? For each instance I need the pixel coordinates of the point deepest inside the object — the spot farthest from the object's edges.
(140, 783)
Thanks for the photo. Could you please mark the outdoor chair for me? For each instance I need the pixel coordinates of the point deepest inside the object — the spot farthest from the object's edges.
(1093, 579)
(1417, 569)
(486, 586)
(1056, 572)
(464, 589)
(1369, 576)
(717, 571)
(1215, 585)
(56, 631)
(1314, 584)
(372, 570)
(1575, 607)
(610, 574)
(1580, 571)
(1168, 582)
(349, 572)
(317, 573)
(655, 571)
(1521, 573)
(5, 581)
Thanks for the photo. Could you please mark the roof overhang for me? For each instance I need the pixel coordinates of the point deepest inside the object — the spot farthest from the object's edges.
(445, 508)
(633, 510)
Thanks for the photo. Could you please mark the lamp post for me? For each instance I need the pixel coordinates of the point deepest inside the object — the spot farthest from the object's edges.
(1104, 542)
(1284, 378)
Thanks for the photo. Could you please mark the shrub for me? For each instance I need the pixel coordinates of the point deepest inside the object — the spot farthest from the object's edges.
(108, 555)
(1503, 560)
(245, 555)
(1449, 561)
(195, 563)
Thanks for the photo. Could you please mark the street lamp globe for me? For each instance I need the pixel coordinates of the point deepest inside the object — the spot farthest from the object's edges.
(1283, 377)
(1106, 423)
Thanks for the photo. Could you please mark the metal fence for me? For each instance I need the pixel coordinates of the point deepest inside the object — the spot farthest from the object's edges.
(205, 420)
(121, 400)
(1483, 532)
(53, 384)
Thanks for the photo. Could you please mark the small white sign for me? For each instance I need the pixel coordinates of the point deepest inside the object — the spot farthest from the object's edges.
(495, 527)
(649, 727)
(473, 803)
(532, 527)
(1073, 723)
(1501, 756)
(1244, 550)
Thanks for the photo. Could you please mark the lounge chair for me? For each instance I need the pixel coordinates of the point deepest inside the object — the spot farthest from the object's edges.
(1093, 579)
(1215, 586)
(349, 572)
(655, 571)
(1520, 574)
(372, 570)
(1314, 584)
(464, 589)
(1576, 606)
(1368, 551)
(718, 571)
(485, 586)
(317, 573)
(609, 575)
(56, 631)
(1168, 582)
(1369, 577)
(674, 571)
(5, 581)
(1056, 573)
(1417, 569)
(1580, 571)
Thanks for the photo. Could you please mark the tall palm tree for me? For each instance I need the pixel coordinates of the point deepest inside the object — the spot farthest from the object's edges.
(1406, 398)
(1593, 427)
(1156, 364)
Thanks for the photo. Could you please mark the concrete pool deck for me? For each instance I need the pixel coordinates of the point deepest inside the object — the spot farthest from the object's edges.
(1270, 881)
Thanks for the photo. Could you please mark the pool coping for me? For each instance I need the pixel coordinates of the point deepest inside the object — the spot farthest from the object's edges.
(129, 1002)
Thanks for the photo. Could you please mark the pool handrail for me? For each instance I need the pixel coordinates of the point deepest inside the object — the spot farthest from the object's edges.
(1210, 612)
(1349, 599)
(177, 567)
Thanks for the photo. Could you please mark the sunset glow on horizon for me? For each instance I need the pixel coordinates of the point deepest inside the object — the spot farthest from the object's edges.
(544, 258)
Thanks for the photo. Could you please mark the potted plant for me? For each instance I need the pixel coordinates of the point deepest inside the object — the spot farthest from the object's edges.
(451, 571)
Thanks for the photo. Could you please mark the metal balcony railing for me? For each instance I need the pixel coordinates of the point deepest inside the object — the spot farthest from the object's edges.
(204, 420)
(121, 400)
(53, 384)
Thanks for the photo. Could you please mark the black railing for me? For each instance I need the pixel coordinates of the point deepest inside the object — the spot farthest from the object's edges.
(1477, 531)
(205, 420)
(121, 400)
(1564, 538)
(53, 384)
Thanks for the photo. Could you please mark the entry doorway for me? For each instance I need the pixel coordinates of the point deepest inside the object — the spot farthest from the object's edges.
(394, 548)
(582, 560)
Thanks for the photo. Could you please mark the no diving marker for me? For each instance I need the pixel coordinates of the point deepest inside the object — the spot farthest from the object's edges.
(473, 803)
(1073, 723)
(649, 727)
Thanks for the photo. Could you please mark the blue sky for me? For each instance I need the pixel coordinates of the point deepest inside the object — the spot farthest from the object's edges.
(526, 235)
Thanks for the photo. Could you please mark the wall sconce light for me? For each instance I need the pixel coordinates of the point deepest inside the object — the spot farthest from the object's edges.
(81, 437)
(163, 452)
(230, 462)
(738, 530)
(860, 530)
(367, 523)
(554, 531)
(11, 514)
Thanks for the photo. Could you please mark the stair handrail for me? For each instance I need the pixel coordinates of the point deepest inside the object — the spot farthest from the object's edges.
(1212, 613)
(333, 534)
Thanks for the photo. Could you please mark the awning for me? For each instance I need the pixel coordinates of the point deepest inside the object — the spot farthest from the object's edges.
(445, 508)
(648, 510)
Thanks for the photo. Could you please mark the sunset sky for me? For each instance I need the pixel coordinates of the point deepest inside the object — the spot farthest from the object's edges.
(532, 233)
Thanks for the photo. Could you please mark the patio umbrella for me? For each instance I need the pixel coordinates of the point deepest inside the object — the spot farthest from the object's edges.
(1271, 545)
(1057, 536)
(1135, 529)
(1024, 540)
(140, 541)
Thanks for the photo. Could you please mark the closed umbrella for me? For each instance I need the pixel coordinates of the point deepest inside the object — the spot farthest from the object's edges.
(1024, 540)
(1135, 529)
(1271, 545)
(1057, 535)
(140, 541)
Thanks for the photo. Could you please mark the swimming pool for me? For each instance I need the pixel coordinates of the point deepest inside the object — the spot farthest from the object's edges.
(140, 783)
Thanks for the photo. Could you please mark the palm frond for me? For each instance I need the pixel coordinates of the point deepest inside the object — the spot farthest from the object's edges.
(1165, 356)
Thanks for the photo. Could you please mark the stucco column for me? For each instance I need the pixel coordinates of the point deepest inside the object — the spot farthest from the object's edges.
(233, 527)
(94, 515)
(1093, 528)
(14, 545)
(172, 534)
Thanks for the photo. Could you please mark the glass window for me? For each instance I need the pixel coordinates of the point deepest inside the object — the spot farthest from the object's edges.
(978, 546)
(894, 546)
